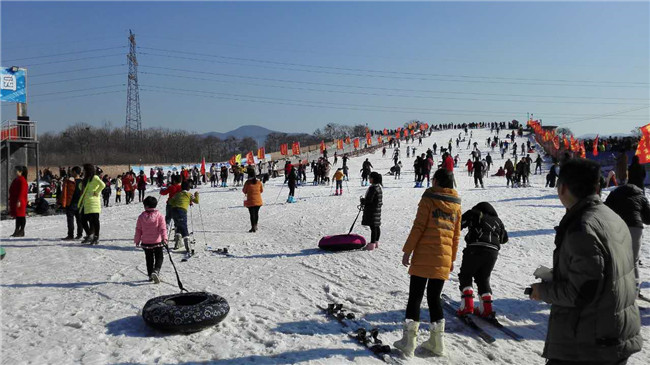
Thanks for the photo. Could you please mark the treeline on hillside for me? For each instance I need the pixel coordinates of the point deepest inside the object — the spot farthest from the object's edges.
(81, 143)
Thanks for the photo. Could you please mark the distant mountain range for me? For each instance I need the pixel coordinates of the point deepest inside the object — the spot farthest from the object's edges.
(254, 131)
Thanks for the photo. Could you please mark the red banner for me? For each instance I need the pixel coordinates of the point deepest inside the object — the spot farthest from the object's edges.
(261, 153)
(232, 161)
(284, 149)
(406, 133)
(369, 141)
(295, 148)
(385, 132)
(356, 143)
(556, 142)
(595, 150)
(339, 144)
(250, 158)
(566, 143)
(643, 149)
(397, 135)
(379, 140)
(203, 166)
(322, 146)
(347, 140)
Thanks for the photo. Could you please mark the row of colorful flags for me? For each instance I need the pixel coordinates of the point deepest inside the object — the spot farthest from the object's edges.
(576, 145)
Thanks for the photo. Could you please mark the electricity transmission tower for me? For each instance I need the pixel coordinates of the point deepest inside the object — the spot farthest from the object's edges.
(133, 130)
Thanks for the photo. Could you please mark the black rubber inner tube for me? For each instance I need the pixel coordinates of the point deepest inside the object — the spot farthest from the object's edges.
(185, 312)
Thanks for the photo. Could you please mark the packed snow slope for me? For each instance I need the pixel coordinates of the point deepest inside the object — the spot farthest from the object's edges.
(65, 303)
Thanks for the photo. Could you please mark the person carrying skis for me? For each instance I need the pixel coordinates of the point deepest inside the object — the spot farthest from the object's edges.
(431, 250)
(253, 189)
(151, 235)
(338, 177)
(371, 204)
(484, 238)
(179, 204)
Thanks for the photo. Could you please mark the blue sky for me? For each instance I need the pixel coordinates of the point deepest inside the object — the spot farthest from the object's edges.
(297, 66)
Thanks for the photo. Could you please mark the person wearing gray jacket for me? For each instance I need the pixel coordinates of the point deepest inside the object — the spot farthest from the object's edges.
(594, 317)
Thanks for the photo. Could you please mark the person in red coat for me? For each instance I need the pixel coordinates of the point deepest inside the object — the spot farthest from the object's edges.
(141, 183)
(18, 200)
(127, 183)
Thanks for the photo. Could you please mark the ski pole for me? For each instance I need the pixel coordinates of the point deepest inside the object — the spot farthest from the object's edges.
(279, 192)
(205, 240)
(355, 219)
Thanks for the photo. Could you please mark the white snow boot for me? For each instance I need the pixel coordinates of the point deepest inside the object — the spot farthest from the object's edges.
(409, 338)
(436, 342)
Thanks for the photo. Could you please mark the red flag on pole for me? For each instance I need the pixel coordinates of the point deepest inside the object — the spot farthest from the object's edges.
(356, 143)
(347, 140)
(203, 166)
(322, 146)
(369, 141)
(295, 149)
(232, 161)
(595, 150)
(250, 159)
(385, 132)
(261, 153)
(339, 144)
(284, 149)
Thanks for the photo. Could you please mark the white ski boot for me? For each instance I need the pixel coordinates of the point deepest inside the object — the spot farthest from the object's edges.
(436, 343)
(409, 338)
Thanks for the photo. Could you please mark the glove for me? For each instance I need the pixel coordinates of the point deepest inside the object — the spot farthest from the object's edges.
(363, 201)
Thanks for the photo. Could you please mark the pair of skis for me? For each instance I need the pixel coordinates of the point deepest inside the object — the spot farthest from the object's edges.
(368, 339)
(220, 251)
(452, 307)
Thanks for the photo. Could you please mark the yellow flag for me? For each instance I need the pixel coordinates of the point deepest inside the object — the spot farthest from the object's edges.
(238, 158)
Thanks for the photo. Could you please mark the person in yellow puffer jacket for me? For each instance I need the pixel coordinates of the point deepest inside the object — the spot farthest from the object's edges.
(431, 250)
(179, 204)
(338, 177)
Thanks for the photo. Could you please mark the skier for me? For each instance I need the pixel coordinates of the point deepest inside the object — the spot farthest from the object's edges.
(538, 164)
(488, 160)
(171, 190)
(371, 204)
(291, 183)
(470, 166)
(179, 204)
(383, 153)
(433, 244)
(484, 238)
(478, 173)
(151, 235)
(253, 189)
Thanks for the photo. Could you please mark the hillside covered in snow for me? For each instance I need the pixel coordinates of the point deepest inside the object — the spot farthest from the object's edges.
(66, 302)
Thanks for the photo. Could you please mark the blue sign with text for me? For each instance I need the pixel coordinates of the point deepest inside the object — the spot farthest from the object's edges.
(12, 86)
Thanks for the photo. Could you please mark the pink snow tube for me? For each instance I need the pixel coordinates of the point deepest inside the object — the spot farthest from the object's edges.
(342, 242)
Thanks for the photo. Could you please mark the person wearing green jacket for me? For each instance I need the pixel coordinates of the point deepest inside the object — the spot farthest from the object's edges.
(90, 204)
(179, 204)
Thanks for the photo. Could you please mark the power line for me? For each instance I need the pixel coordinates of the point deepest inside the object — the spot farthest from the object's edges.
(77, 96)
(74, 59)
(55, 73)
(63, 54)
(79, 78)
(605, 115)
(385, 76)
(378, 94)
(388, 72)
(270, 100)
(387, 89)
(72, 91)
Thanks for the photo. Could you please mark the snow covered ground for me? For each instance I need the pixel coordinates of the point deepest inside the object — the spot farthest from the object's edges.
(65, 303)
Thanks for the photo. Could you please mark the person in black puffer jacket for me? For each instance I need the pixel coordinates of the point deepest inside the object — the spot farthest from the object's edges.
(372, 203)
(629, 202)
(484, 238)
(636, 173)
